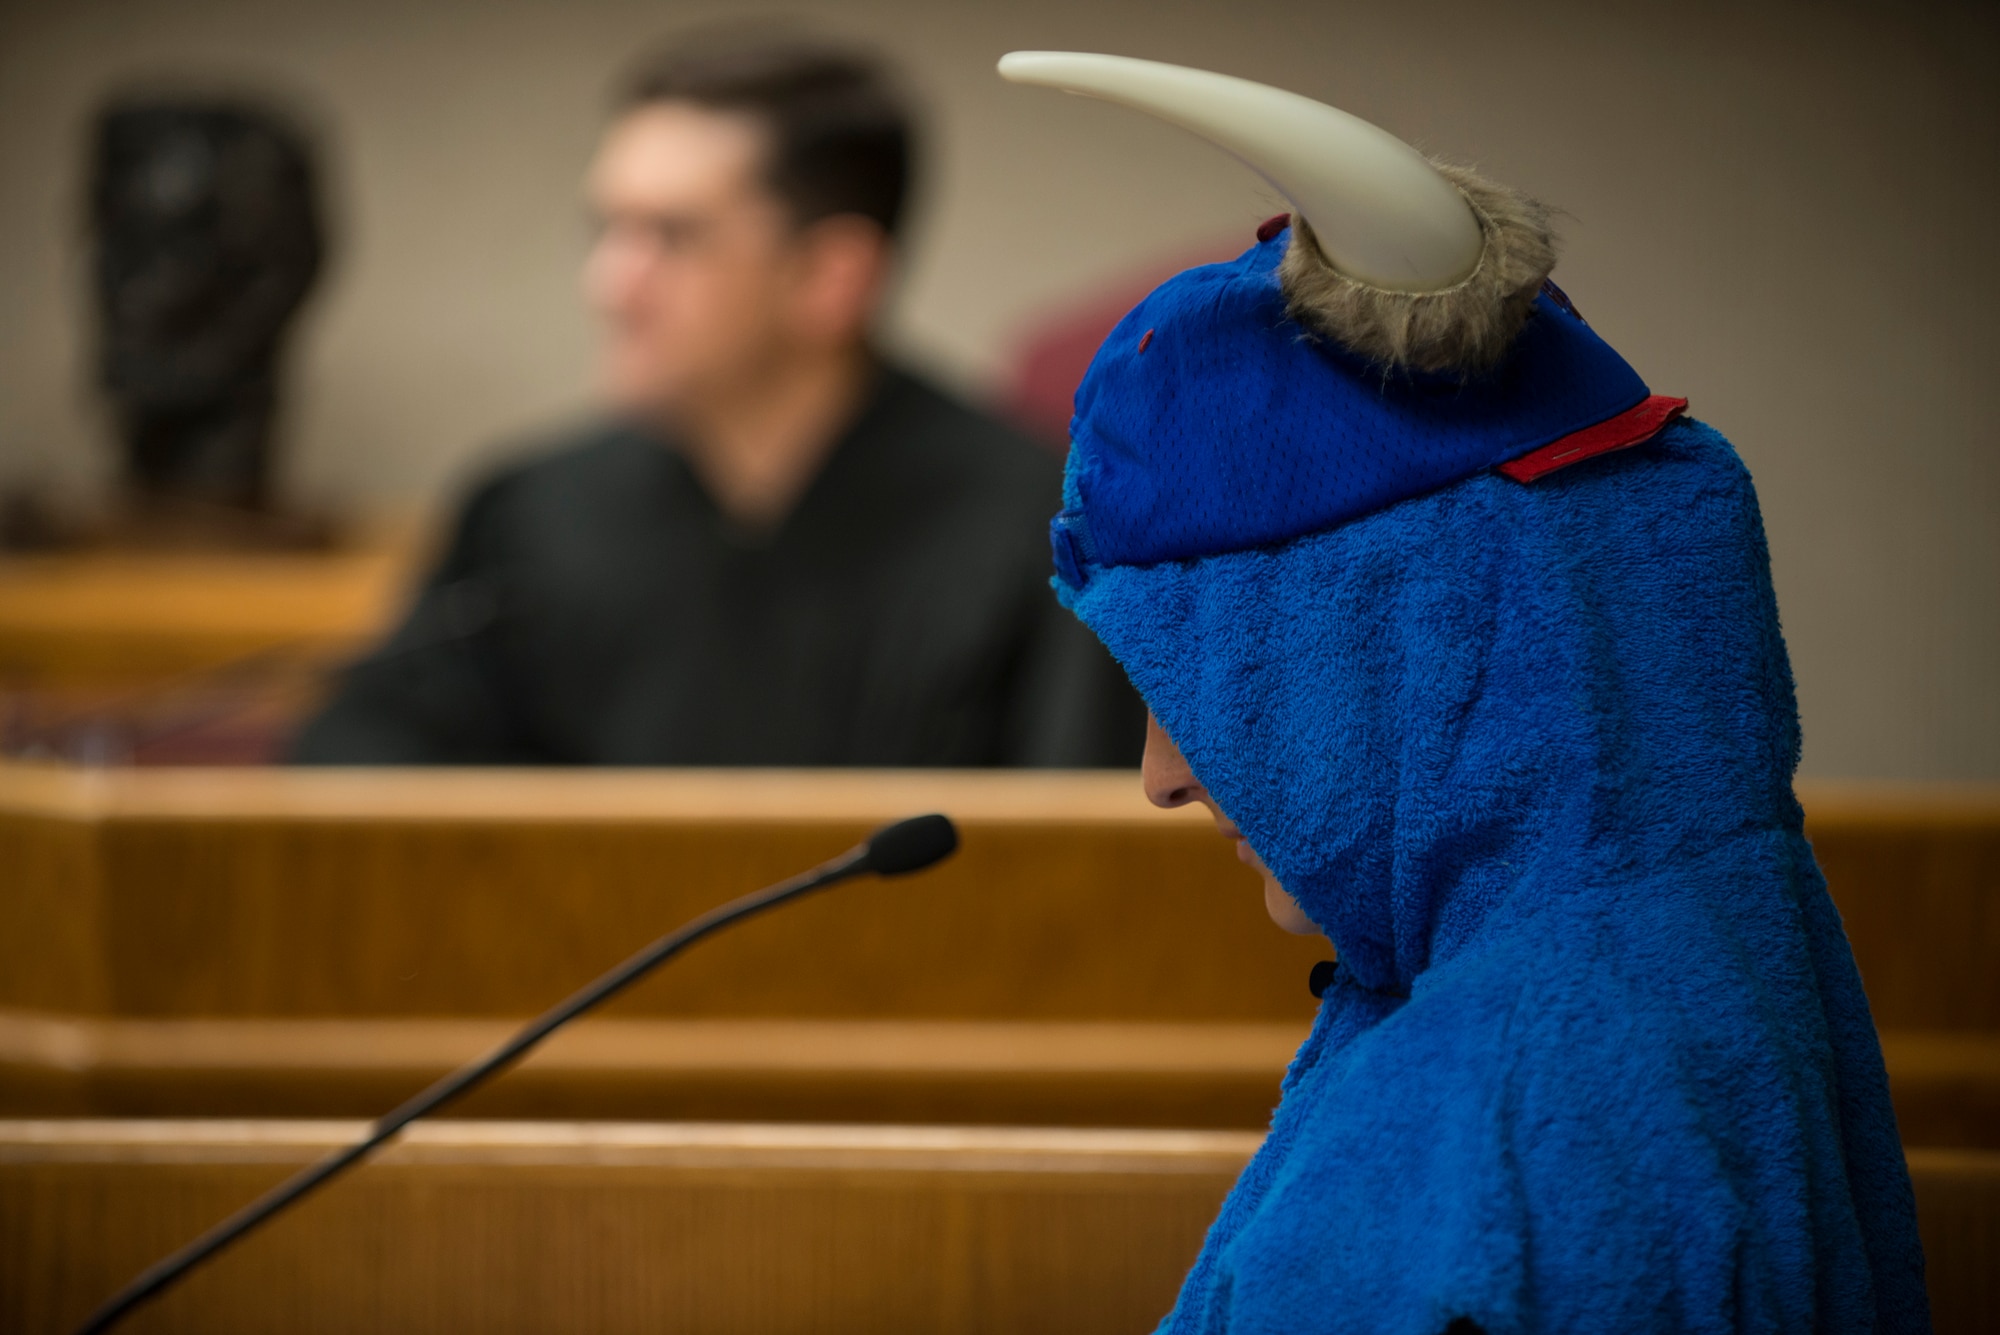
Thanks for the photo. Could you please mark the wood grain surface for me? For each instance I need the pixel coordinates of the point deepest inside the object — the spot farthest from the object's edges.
(291, 894)
(360, 893)
(609, 1227)
(1035, 1073)
(1946, 1084)
(599, 1228)
(130, 619)
(271, 943)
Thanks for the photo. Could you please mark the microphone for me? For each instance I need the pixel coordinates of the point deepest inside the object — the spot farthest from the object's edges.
(910, 845)
(894, 850)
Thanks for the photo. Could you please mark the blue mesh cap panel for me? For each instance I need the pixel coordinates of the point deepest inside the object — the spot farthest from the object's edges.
(1211, 422)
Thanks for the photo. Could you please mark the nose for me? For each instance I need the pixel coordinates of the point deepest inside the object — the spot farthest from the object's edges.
(614, 270)
(1164, 772)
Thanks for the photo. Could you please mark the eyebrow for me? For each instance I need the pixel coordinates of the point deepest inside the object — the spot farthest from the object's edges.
(664, 221)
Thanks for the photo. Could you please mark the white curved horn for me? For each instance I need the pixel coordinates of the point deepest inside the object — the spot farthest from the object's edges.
(1382, 214)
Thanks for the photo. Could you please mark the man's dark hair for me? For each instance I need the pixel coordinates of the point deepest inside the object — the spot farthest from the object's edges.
(841, 138)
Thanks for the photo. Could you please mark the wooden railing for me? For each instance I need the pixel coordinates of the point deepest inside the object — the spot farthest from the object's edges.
(271, 943)
(608, 1227)
(224, 945)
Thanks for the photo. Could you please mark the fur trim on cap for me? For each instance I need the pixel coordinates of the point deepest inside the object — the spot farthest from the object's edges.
(1463, 329)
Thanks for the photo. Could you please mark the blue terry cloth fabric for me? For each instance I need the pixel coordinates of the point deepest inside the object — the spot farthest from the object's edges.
(1209, 421)
(1597, 1057)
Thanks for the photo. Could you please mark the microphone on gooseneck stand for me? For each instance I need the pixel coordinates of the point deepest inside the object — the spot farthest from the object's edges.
(894, 850)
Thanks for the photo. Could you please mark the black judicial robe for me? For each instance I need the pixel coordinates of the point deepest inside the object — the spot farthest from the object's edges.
(595, 608)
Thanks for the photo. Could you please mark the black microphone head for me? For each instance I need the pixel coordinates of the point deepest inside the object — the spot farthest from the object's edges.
(911, 845)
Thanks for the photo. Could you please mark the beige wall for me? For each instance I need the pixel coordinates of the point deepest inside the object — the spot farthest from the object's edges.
(1784, 216)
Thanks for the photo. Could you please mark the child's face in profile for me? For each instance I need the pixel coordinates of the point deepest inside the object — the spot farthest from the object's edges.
(1169, 782)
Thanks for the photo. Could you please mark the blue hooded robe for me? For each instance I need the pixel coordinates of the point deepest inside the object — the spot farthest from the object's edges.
(1596, 1057)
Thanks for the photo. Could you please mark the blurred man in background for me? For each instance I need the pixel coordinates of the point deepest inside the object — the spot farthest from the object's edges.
(782, 550)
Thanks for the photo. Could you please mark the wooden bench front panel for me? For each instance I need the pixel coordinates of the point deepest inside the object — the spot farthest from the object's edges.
(609, 1228)
(408, 917)
(531, 1227)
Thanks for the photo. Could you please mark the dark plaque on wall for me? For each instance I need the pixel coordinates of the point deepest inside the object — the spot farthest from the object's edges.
(206, 223)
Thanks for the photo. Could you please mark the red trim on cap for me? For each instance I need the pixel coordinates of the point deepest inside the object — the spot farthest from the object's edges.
(1634, 426)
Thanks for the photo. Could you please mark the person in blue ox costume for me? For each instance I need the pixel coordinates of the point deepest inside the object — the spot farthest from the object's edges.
(1470, 640)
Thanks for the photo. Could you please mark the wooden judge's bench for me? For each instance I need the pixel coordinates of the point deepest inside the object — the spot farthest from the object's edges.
(1004, 1095)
